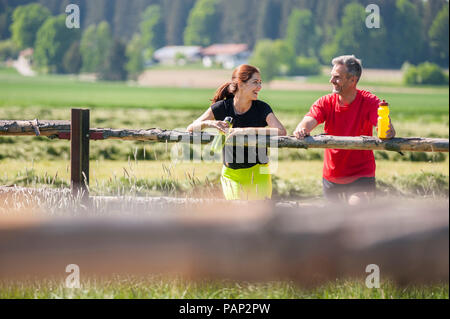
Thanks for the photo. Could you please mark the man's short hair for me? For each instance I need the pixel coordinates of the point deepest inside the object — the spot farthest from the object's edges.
(353, 65)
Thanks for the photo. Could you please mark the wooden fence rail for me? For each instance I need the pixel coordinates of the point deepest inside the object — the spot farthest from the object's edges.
(241, 241)
(61, 129)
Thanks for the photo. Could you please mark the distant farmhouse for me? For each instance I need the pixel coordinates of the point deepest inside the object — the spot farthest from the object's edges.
(177, 55)
(227, 55)
(24, 62)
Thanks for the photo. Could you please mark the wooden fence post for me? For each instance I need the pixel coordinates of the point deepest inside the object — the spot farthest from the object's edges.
(79, 152)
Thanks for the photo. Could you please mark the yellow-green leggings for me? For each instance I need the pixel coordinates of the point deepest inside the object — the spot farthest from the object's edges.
(247, 183)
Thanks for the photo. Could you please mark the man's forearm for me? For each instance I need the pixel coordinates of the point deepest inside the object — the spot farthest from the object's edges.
(308, 124)
(305, 127)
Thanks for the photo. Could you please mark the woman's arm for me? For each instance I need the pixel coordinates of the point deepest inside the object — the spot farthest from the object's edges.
(275, 128)
(273, 122)
(207, 120)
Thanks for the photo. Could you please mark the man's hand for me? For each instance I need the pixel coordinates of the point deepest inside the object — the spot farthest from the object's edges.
(305, 127)
(390, 133)
(301, 133)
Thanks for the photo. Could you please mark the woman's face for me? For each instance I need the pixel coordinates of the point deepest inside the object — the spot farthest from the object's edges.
(251, 88)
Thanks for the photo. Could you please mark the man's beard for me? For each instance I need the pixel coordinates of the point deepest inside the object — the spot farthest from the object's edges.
(336, 90)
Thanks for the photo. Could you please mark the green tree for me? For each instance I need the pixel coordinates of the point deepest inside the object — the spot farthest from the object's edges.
(8, 50)
(53, 39)
(430, 11)
(265, 57)
(439, 36)
(95, 44)
(301, 32)
(135, 63)
(285, 56)
(405, 34)
(72, 59)
(425, 73)
(104, 36)
(5, 21)
(176, 15)
(410, 75)
(152, 30)
(268, 19)
(306, 66)
(104, 40)
(26, 21)
(236, 26)
(200, 29)
(114, 67)
(88, 49)
(353, 37)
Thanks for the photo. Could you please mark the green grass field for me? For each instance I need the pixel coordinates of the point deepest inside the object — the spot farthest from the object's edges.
(67, 91)
(139, 168)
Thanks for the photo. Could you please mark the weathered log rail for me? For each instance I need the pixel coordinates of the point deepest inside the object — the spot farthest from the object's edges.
(61, 129)
(240, 241)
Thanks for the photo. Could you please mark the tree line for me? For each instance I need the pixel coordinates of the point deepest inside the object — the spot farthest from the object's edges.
(298, 34)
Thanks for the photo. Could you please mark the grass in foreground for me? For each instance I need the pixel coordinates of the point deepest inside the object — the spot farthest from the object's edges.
(292, 179)
(156, 287)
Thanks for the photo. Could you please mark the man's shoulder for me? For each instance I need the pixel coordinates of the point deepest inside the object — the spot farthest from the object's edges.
(327, 99)
(368, 96)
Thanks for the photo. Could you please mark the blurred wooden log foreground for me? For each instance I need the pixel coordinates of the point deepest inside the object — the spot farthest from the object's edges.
(199, 239)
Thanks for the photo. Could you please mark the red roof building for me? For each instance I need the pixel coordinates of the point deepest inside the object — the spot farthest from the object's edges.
(228, 55)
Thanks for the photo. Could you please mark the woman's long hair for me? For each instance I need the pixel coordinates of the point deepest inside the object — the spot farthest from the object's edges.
(241, 74)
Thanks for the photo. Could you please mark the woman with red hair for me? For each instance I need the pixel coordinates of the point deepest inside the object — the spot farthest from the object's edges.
(245, 174)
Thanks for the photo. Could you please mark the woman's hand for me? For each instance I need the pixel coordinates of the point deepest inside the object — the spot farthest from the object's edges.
(235, 131)
(222, 126)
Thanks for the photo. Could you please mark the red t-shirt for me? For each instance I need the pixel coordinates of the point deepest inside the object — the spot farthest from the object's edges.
(358, 118)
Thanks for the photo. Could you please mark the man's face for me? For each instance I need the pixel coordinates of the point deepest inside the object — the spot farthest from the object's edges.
(341, 79)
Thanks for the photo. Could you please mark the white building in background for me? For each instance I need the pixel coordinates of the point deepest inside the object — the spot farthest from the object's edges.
(24, 61)
(228, 55)
(172, 55)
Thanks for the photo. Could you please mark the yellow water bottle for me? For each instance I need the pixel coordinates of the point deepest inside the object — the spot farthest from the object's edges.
(219, 141)
(383, 119)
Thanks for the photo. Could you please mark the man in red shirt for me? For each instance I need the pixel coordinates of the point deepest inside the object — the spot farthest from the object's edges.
(347, 174)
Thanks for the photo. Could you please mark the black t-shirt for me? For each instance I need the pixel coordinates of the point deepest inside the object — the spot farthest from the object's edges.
(236, 157)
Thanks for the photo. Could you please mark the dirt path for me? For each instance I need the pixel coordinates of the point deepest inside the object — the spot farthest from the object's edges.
(212, 79)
